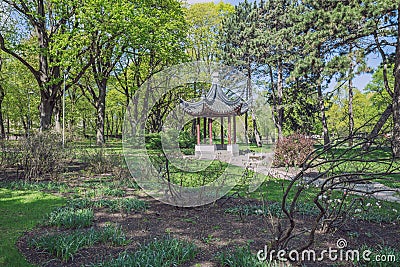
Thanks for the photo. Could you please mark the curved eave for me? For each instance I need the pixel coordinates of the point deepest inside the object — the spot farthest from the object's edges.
(204, 109)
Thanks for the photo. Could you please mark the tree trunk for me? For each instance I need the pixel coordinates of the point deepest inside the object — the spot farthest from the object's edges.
(84, 126)
(280, 100)
(351, 116)
(323, 117)
(46, 108)
(396, 95)
(57, 116)
(257, 136)
(101, 113)
(378, 126)
(2, 129)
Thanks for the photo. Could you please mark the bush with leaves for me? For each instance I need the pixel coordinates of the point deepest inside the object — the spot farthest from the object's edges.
(293, 150)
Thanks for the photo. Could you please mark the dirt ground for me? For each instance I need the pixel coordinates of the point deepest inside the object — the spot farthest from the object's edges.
(211, 229)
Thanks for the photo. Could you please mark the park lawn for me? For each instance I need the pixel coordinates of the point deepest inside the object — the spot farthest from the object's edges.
(21, 211)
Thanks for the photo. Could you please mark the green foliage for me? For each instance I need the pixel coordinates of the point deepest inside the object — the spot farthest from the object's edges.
(66, 245)
(153, 141)
(204, 21)
(161, 253)
(366, 111)
(70, 218)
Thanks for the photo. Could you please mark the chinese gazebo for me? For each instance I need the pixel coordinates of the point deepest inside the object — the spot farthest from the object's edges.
(216, 104)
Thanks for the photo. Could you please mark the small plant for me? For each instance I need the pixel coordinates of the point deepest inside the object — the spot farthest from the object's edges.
(70, 218)
(65, 245)
(292, 150)
(124, 205)
(161, 253)
(210, 238)
(240, 257)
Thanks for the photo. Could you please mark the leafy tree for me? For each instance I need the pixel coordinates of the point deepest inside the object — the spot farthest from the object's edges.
(204, 21)
(45, 20)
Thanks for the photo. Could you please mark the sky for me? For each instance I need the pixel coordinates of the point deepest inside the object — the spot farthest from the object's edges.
(359, 82)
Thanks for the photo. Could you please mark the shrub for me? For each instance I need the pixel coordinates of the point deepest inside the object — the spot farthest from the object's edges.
(292, 150)
(153, 141)
(101, 162)
(10, 154)
(42, 155)
(165, 252)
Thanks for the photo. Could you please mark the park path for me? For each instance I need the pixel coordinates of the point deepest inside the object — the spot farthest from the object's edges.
(254, 162)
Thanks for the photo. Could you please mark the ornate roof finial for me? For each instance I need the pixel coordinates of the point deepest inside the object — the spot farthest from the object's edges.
(215, 77)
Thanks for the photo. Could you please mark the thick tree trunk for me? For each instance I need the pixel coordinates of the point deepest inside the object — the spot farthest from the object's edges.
(46, 108)
(323, 117)
(396, 95)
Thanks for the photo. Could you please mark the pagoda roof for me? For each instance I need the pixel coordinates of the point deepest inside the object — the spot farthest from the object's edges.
(215, 103)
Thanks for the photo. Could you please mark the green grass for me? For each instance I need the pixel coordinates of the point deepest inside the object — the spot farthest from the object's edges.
(383, 256)
(21, 211)
(242, 256)
(161, 253)
(65, 245)
(124, 205)
(48, 186)
(271, 209)
(70, 218)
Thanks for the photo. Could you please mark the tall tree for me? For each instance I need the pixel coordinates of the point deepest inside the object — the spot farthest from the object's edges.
(204, 22)
(396, 94)
(46, 19)
(2, 95)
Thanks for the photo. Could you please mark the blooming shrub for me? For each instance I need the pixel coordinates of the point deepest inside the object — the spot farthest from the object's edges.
(292, 150)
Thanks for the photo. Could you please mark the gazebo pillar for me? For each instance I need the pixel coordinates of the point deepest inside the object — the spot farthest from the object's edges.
(206, 150)
(234, 129)
(198, 130)
(229, 131)
(233, 148)
(210, 121)
(204, 129)
(222, 132)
